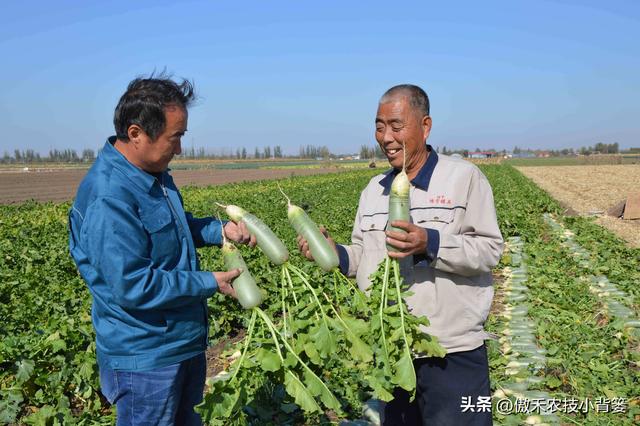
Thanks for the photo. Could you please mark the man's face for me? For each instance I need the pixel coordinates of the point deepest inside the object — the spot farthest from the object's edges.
(397, 123)
(154, 156)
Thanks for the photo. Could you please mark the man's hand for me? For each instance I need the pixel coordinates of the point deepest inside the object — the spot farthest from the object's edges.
(413, 242)
(304, 246)
(239, 233)
(224, 280)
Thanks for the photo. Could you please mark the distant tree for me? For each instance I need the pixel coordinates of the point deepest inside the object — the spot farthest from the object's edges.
(267, 152)
(606, 148)
(88, 155)
(311, 151)
(277, 151)
(324, 152)
(29, 156)
(378, 151)
(307, 151)
(244, 153)
(256, 154)
(366, 152)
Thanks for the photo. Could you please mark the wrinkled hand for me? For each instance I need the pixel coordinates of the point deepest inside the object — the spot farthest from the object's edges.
(413, 242)
(239, 233)
(225, 279)
(304, 246)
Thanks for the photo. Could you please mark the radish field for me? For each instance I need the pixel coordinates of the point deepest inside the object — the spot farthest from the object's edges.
(566, 313)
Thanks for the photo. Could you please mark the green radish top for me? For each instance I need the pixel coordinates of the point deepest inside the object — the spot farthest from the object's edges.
(235, 213)
(268, 242)
(247, 291)
(400, 186)
(228, 247)
(399, 200)
(323, 254)
(293, 212)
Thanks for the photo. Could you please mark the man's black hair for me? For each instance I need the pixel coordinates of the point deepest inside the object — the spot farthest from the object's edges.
(145, 101)
(418, 98)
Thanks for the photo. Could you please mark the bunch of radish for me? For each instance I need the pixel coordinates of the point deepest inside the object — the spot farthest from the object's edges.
(376, 334)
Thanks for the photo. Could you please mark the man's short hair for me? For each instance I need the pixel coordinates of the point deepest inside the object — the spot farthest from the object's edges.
(418, 98)
(145, 101)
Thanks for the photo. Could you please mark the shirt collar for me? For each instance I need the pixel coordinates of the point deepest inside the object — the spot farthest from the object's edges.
(423, 177)
(138, 176)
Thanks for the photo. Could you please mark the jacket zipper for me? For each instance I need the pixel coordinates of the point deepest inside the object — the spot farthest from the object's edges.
(177, 219)
(173, 211)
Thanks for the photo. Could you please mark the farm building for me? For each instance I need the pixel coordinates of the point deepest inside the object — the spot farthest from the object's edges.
(482, 154)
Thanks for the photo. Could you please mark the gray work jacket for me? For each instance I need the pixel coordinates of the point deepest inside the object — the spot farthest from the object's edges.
(451, 282)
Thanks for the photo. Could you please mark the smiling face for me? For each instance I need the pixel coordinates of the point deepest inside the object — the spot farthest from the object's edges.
(153, 156)
(401, 128)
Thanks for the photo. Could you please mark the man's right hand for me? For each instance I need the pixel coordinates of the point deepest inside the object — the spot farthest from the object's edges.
(304, 246)
(225, 279)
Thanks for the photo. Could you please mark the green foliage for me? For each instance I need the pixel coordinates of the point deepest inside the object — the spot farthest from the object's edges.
(519, 202)
(610, 255)
(47, 352)
(589, 355)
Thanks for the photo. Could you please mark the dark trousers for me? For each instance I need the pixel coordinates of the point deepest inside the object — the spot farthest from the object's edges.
(441, 385)
(161, 397)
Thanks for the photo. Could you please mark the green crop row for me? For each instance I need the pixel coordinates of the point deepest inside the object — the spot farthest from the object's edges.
(589, 355)
(47, 354)
(47, 351)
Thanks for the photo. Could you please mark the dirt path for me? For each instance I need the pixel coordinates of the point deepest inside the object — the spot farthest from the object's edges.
(61, 185)
(590, 190)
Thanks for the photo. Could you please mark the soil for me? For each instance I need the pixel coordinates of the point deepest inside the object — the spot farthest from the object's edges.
(215, 362)
(497, 306)
(61, 185)
(592, 191)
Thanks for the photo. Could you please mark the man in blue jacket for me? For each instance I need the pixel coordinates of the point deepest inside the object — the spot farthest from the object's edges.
(135, 246)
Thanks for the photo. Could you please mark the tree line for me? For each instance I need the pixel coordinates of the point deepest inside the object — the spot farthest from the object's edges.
(367, 152)
(89, 155)
(55, 156)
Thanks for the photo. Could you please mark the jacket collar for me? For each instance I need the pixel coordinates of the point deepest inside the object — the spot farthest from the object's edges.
(136, 175)
(423, 177)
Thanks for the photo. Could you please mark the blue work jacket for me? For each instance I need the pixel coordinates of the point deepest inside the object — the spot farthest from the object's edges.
(135, 247)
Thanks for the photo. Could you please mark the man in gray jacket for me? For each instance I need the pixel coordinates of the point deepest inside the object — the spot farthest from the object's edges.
(446, 256)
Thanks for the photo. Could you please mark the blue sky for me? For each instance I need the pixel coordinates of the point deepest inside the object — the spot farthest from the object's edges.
(539, 74)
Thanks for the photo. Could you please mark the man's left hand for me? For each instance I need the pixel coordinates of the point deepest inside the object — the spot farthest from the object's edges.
(239, 233)
(414, 241)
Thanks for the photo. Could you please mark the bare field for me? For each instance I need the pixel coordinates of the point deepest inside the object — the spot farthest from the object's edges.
(590, 190)
(61, 185)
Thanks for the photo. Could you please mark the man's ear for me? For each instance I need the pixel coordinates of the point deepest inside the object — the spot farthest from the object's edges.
(426, 126)
(134, 132)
